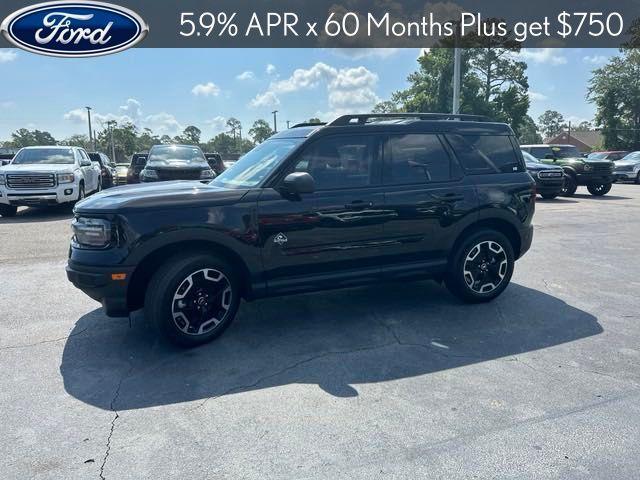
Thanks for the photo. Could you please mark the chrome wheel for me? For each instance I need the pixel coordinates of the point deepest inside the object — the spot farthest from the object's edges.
(201, 301)
(485, 266)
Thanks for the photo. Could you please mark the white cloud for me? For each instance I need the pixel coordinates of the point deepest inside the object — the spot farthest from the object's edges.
(163, 123)
(77, 115)
(359, 53)
(266, 99)
(537, 96)
(131, 108)
(548, 56)
(7, 104)
(216, 124)
(7, 55)
(208, 89)
(271, 69)
(248, 75)
(595, 59)
(348, 89)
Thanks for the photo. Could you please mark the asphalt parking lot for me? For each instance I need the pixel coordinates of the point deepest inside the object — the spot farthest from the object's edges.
(388, 381)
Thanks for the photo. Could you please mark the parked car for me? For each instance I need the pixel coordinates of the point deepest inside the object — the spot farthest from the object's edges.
(596, 175)
(138, 161)
(628, 168)
(53, 175)
(215, 162)
(5, 158)
(612, 155)
(549, 179)
(107, 168)
(313, 208)
(176, 162)
(121, 173)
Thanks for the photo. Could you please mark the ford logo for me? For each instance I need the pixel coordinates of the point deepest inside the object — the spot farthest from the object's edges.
(74, 29)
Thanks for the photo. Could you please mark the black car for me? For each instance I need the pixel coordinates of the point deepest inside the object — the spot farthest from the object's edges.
(107, 169)
(138, 161)
(215, 162)
(5, 158)
(361, 200)
(176, 162)
(549, 179)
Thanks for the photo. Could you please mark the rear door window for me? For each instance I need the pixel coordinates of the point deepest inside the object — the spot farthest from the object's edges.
(416, 158)
(485, 154)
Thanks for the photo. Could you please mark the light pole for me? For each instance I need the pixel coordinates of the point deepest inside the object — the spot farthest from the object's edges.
(113, 146)
(275, 121)
(90, 131)
(456, 71)
(288, 122)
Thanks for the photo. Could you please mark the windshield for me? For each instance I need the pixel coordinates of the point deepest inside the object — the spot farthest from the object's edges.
(597, 156)
(632, 156)
(529, 158)
(256, 165)
(50, 156)
(172, 154)
(566, 151)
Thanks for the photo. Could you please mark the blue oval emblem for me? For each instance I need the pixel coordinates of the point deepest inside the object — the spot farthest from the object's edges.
(73, 29)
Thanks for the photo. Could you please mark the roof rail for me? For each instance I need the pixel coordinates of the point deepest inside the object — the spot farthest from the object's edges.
(309, 124)
(360, 119)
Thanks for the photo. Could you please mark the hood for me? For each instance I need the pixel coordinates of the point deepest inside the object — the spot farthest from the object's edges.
(620, 163)
(160, 195)
(541, 166)
(34, 167)
(177, 165)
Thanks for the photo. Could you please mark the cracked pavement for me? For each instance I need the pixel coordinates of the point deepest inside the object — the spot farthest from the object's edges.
(387, 381)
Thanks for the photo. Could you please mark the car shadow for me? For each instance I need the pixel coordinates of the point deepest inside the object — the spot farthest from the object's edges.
(603, 197)
(40, 214)
(335, 340)
(558, 200)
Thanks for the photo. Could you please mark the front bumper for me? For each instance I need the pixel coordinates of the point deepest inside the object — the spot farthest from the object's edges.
(595, 178)
(67, 192)
(97, 283)
(549, 185)
(626, 175)
(526, 237)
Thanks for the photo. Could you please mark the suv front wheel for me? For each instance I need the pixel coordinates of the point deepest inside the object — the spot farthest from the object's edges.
(599, 189)
(481, 267)
(192, 299)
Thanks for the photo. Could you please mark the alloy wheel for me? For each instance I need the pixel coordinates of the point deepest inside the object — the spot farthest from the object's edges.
(201, 301)
(485, 266)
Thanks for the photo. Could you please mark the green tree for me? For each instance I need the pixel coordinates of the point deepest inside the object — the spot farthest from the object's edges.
(387, 106)
(584, 126)
(24, 137)
(314, 120)
(78, 140)
(529, 132)
(615, 91)
(191, 135)
(260, 131)
(551, 123)
(222, 143)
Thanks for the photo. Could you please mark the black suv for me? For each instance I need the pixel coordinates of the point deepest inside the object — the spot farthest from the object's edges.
(366, 198)
(176, 162)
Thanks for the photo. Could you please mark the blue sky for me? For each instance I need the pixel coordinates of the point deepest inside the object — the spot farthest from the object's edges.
(168, 89)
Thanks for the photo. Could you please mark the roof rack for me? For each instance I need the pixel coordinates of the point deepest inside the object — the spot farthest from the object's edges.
(308, 124)
(360, 119)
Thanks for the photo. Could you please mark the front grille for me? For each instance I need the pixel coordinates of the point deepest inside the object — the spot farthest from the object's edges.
(601, 167)
(31, 180)
(554, 174)
(179, 174)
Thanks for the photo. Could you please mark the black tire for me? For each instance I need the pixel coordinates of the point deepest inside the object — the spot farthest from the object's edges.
(637, 178)
(599, 189)
(81, 192)
(184, 277)
(570, 186)
(549, 196)
(8, 210)
(464, 286)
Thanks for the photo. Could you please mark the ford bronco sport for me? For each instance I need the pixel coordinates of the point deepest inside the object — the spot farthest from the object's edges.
(363, 199)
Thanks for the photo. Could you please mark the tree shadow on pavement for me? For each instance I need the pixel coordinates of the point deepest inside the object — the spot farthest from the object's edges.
(335, 340)
(43, 214)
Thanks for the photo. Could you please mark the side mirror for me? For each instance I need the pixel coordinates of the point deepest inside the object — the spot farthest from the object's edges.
(299, 182)
(85, 163)
(549, 156)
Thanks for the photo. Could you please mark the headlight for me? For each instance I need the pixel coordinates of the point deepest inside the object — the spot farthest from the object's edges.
(2, 180)
(92, 232)
(149, 173)
(206, 174)
(587, 167)
(66, 178)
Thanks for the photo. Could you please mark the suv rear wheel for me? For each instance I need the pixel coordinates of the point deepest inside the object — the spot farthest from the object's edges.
(8, 210)
(570, 186)
(599, 189)
(481, 267)
(192, 299)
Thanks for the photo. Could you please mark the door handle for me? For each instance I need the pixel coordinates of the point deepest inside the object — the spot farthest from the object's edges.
(359, 204)
(449, 197)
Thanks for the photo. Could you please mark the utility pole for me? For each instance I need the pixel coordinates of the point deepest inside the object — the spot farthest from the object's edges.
(288, 122)
(113, 146)
(275, 121)
(90, 131)
(456, 71)
(95, 139)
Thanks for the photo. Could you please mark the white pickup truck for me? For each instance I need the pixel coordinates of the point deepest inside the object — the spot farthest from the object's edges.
(39, 176)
